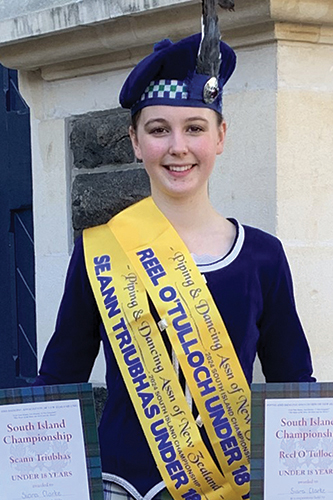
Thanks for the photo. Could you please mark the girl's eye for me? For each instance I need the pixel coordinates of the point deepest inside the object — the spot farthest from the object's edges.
(195, 129)
(158, 131)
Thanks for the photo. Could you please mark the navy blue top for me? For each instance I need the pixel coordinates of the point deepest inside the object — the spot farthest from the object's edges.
(253, 291)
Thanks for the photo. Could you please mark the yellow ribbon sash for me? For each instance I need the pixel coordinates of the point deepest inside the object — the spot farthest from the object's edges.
(139, 250)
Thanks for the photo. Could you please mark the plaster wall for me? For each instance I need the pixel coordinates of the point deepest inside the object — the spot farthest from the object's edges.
(305, 187)
(22, 7)
(243, 184)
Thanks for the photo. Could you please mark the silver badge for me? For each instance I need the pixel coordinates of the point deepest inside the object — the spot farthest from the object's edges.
(211, 90)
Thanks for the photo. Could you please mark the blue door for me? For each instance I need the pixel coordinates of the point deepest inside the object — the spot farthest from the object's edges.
(18, 360)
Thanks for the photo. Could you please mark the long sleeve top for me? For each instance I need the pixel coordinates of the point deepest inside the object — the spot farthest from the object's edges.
(252, 288)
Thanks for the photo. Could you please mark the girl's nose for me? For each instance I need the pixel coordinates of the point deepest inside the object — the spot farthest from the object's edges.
(178, 144)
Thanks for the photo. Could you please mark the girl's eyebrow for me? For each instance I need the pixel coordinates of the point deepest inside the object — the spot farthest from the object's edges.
(164, 121)
(196, 118)
(155, 120)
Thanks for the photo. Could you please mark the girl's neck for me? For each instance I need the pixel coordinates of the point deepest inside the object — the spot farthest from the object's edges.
(190, 213)
(201, 227)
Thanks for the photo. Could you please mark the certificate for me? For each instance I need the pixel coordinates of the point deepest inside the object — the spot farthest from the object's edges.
(42, 451)
(298, 458)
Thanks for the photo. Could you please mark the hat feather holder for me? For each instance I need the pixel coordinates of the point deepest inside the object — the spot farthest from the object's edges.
(209, 54)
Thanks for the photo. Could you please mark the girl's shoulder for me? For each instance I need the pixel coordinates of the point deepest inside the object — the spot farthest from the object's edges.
(262, 255)
(260, 240)
(252, 248)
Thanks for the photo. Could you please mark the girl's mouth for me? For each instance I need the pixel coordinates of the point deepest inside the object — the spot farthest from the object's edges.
(179, 168)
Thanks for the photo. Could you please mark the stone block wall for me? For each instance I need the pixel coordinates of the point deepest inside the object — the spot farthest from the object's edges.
(106, 178)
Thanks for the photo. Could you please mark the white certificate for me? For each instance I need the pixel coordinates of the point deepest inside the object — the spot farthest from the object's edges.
(298, 449)
(42, 453)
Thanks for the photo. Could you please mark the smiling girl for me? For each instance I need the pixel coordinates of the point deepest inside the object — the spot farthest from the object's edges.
(178, 146)
(180, 363)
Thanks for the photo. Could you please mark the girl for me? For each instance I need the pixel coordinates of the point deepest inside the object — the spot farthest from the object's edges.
(219, 293)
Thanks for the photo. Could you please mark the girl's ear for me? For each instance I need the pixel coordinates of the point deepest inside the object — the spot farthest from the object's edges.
(221, 137)
(135, 143)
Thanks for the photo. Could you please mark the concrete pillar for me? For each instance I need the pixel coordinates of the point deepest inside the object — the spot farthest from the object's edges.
(305, 183)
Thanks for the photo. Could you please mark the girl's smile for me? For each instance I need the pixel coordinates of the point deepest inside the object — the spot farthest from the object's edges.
(178, 146)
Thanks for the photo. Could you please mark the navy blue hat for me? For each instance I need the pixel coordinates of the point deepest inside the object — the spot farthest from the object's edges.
(168, 76)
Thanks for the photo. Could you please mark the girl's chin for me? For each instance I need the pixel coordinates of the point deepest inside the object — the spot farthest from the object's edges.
(178, 191)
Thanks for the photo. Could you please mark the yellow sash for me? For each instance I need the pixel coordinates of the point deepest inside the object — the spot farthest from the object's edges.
(139, 250)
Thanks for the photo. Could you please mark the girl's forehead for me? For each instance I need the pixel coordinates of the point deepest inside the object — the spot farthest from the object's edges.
(175, 113)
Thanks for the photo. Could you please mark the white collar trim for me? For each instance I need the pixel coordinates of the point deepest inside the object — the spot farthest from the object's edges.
(222, 262)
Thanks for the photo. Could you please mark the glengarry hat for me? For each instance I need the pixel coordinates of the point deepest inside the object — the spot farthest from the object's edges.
(191, 72)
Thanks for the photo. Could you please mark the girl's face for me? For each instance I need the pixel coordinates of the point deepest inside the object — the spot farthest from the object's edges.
(178, 146)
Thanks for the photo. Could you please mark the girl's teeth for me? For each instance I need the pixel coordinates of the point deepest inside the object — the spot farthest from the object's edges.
(180, 169)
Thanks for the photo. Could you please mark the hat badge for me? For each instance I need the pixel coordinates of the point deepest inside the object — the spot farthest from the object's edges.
(211, 90)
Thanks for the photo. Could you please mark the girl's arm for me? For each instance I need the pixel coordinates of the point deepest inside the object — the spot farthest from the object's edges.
(282, 347)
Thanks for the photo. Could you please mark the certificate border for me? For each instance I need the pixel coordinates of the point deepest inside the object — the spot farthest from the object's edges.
(82, 392)
(259, 394)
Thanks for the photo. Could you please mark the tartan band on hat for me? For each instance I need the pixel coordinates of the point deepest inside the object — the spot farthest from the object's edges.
(165, 89)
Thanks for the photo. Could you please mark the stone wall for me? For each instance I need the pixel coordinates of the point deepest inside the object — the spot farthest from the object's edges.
(106, 178)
